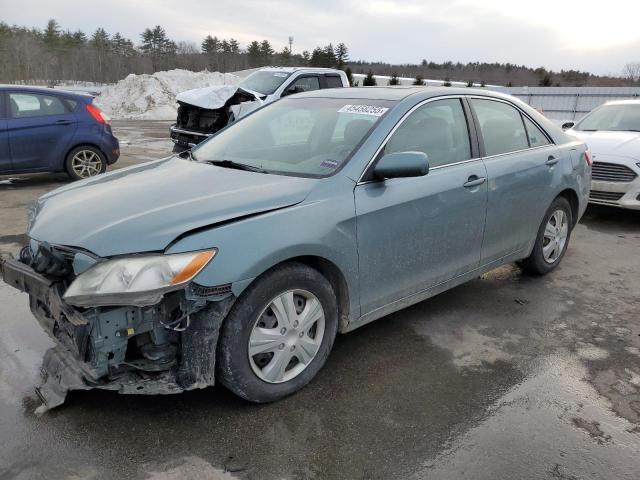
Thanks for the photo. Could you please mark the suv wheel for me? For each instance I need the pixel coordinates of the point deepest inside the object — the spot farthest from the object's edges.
(552, 240)
(84, 162)
(278, 334)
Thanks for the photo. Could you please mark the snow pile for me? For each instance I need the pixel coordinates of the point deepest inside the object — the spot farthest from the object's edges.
(153, 97)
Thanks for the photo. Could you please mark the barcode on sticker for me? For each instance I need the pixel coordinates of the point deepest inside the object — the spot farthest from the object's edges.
(364, 110)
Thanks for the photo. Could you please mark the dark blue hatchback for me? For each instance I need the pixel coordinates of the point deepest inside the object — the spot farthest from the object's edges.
(46, 130)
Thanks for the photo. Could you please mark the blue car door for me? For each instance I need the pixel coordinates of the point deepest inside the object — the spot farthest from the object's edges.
(415, 233)
(522, 166)
(41, 127)
(5, 157)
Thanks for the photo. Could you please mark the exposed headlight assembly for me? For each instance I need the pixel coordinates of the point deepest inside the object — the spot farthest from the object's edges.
(137, 280)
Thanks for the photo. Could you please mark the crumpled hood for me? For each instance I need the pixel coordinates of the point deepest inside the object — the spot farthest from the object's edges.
(145, 207)
(213, 97)
(623, 144)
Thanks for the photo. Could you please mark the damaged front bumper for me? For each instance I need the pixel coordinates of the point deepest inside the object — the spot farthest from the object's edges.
(164, 348)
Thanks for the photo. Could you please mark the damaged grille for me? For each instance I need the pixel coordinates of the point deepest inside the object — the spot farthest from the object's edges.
(200, 119)
(48, 260)
(202, 291)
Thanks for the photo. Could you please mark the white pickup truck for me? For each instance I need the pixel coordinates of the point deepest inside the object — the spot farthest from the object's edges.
(204, 111)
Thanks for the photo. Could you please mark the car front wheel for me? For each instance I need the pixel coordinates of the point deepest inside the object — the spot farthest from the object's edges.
(279, 334)
(552, 239)
(84, 162)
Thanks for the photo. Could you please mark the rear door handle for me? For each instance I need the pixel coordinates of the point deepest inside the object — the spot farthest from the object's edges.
(63, 122)
(551, 160)
(474, 181)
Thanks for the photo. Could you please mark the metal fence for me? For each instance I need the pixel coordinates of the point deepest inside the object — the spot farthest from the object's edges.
(569, 103)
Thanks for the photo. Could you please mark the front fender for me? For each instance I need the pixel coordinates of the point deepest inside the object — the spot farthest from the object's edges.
(322, 226)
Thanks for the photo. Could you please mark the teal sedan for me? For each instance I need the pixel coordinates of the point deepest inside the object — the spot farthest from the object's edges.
(311, 216)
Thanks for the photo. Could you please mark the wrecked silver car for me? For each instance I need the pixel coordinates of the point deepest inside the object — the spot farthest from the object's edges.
(204, 111)
(314, 215)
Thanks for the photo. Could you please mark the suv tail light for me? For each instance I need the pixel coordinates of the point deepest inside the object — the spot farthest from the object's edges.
(587, 157)
(97, 114)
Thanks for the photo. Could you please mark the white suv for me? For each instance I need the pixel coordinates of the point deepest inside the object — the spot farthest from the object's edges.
(612, 132)
(204, 111)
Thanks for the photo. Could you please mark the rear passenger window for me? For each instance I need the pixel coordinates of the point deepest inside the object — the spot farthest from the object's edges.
(536, 137)
(307, 84)
(438, 129)
(2, 110)
(333, 81)
(501, 127)
(34, 105)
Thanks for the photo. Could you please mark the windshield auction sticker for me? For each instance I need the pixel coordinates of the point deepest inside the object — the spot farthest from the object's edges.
(364, 110)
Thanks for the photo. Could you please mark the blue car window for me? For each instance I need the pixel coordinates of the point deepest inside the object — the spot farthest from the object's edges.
(501, 127)
(2, 106)
(536, 137)
(438, 129)
(25, 105)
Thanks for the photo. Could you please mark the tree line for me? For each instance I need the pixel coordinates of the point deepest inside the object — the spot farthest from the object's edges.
(53, 54)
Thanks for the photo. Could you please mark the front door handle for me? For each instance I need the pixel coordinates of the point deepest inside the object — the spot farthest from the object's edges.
(474, 181)
(551, 160)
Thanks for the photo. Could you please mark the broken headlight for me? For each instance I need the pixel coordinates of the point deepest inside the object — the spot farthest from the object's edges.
(137, 280)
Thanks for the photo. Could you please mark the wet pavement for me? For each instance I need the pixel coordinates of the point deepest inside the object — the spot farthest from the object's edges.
(505, 377)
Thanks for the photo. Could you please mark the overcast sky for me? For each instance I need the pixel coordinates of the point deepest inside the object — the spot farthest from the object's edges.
(595, 36)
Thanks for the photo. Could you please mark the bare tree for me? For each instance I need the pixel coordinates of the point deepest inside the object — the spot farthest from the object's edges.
(631, 71)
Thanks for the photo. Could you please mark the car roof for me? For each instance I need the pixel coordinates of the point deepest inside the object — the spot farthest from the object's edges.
(623, 102)
(47, 90)
(297, 69)
(397, 93)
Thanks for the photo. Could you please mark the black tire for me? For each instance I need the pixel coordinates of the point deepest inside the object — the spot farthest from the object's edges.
(535, 264)
(234, 369)
(99, 156)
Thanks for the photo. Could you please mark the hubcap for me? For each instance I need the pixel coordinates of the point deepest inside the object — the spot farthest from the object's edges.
(86, 163)
(555, 236)
(286, 336)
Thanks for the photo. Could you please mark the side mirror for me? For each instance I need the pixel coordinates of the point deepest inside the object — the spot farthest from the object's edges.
(402, 164)
(292, 90)
(568, 125)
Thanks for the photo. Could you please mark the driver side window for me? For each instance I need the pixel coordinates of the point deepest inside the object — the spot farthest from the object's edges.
(439, 129)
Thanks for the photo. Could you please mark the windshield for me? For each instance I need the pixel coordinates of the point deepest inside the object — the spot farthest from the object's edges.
(305, 136)
(264, 82)
(612, 118)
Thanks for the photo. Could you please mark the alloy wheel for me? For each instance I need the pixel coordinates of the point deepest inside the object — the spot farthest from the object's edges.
(86, 163)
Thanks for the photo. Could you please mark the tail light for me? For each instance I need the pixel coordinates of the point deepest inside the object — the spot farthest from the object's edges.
(97, 114)
(587, 157)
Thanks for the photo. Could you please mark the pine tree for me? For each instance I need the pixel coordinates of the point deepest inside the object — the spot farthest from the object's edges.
(51, 34)
(266, 52)
(155, 42)
(234, 45)
(341, 54)
(254, 54)
(349, 75)
(394, 80)
(100, 39)
(369, 80)
(210, 45)
(306, 57)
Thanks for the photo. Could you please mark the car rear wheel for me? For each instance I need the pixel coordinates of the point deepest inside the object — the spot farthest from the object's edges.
(278, 334)
(84, 162)
(552, 240)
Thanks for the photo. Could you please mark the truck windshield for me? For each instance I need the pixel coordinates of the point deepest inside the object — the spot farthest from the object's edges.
(309, 137)
(264, 82)
(612, 118)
